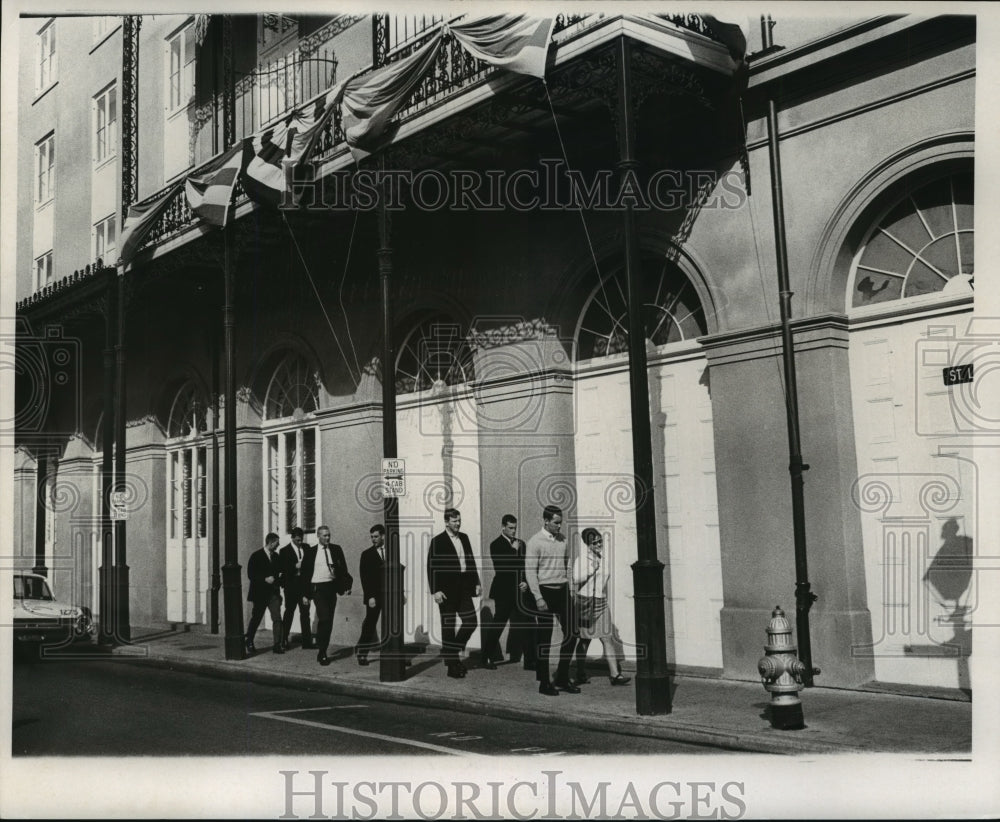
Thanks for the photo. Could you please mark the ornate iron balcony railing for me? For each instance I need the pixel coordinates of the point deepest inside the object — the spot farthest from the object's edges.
(395, 39)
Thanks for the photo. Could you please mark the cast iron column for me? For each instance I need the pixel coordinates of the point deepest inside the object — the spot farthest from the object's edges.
(123, 628)
(232, 587)
(804, 597)
(652, 692)
(106, 632)
(41, 480)
(216, 577)
(392, 662)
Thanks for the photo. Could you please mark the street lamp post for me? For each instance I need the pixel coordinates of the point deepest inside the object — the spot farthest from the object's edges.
(392, 664)
(652, 694)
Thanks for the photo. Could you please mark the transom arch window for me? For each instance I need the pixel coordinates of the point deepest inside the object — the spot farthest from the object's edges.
(187, 466)
(671, 311)
(291, 446)
(188, 413)
(293, 390)
(436, 353)
(924, 244)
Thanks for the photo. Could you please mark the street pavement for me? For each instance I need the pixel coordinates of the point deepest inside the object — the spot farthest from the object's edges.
(724, 714)
(98, 704)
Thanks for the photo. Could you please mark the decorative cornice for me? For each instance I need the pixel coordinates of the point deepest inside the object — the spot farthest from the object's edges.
(524, 331)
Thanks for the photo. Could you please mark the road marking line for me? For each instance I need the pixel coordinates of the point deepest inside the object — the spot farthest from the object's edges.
(339, 729)
(321, 708)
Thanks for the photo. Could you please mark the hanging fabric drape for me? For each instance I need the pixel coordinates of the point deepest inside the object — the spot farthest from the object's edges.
(516, 42)
(371, 101)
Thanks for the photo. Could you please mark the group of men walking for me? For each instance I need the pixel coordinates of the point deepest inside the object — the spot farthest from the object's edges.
(531, 589)
(312, 574)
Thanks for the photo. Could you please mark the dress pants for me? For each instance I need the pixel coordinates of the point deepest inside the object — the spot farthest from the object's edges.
(503, 608)
(369, 635)
(273, 606)
(452, 643)
(293, 602)
(557, 601)
(325, 597)
(521, 638)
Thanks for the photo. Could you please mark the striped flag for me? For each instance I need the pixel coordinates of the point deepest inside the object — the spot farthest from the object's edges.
(141, 218)
(210, 193)
(289, 140)
(515, 42)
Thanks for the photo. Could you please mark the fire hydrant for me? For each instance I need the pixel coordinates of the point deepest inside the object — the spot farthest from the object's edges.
(781, 674)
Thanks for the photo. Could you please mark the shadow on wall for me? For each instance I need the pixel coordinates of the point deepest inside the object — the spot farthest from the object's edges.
(949, 579)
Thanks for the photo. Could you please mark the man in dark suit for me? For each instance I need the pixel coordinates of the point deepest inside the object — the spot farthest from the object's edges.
(508, 591)
(264, 573)
(330, 577)
(454, 581)
(372, 568)
(296, 567)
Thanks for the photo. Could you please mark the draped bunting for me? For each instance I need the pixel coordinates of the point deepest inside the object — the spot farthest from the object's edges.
(291, 139)
(371, 101)
(210, 193)
(140, 220)
(515, 42)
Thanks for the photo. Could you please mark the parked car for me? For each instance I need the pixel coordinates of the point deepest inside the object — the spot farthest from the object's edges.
(39, 618)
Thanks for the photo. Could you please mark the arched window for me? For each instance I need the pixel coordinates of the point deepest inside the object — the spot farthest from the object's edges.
(434, 354)
(671, 311)
(293, 390)
(290, 447)
(188, 414)
(187, 466)
(924, 244)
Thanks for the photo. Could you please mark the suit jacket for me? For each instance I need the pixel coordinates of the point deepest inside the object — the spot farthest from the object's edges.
(372, 575)
(342, 577)
(296, 582)
(444, 572)
(259, 567)
(508, 563)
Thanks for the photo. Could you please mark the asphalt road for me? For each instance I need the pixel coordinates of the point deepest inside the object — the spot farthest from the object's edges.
(113, 707)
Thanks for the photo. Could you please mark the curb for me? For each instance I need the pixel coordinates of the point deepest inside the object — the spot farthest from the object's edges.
(470, 704)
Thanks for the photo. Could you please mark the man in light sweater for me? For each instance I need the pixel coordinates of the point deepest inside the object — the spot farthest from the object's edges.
(545, 572)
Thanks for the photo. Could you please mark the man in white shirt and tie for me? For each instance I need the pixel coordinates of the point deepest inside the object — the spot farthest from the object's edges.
(330, 577)
(296, 560)
(454, 581)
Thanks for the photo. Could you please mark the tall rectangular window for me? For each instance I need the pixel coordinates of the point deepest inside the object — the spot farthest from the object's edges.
(180, 71)
(290, 465)
(43, 270)
(106, 124)
(47, 55)
(106, 240)
(45, 163)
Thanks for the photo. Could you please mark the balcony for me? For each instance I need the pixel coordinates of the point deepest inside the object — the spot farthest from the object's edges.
(276, 88)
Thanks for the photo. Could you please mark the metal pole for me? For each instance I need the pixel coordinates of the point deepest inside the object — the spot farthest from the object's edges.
(232, 586)
(106, 630)
(652, 694)
(392, 661)
(804, 598)
(41, 479)
(123, 628)
(216, 576)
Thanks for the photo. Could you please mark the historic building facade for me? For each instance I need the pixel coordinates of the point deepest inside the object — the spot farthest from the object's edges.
(511, 367)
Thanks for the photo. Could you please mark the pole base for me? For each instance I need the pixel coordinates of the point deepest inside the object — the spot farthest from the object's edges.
(787, 717)
(652, 695)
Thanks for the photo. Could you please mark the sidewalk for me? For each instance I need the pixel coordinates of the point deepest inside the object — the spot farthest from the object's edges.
(721, 713)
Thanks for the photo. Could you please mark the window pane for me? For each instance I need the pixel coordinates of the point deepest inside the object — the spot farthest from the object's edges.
(186, 494)
(202, 496)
